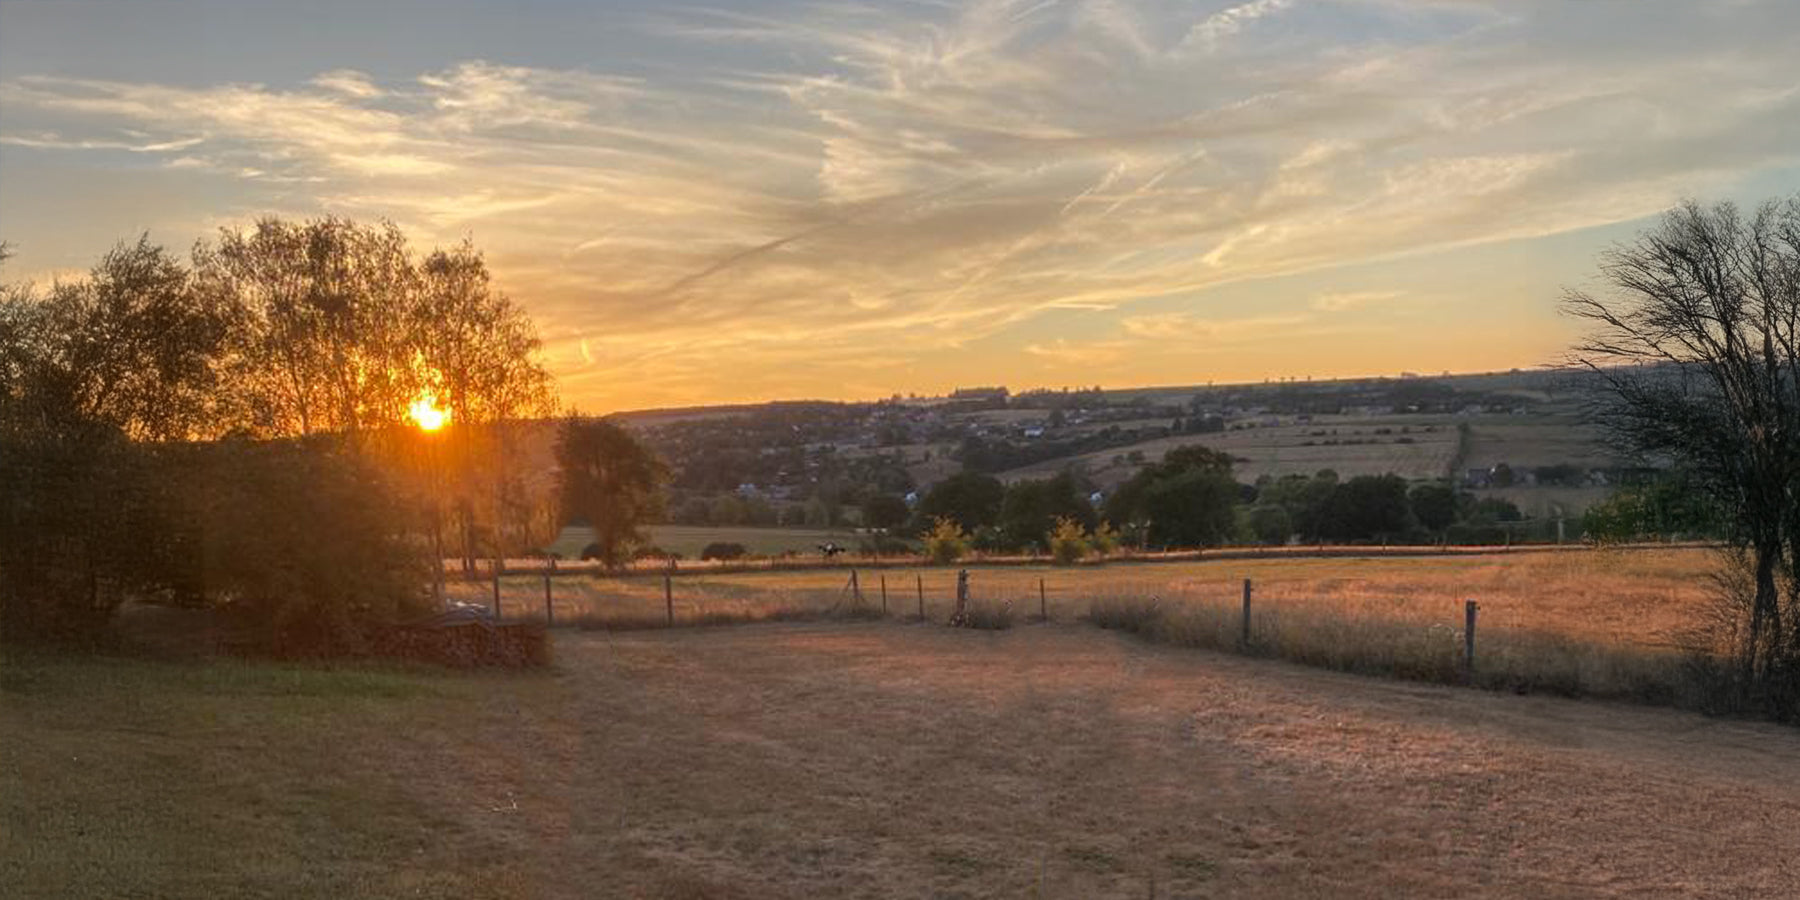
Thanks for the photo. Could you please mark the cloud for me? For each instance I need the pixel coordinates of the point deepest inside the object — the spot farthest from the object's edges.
(798, 189)
(1343, 301)
(348, 82)
(1231, 20)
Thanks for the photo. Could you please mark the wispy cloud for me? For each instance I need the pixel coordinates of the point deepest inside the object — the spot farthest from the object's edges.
(924, 176)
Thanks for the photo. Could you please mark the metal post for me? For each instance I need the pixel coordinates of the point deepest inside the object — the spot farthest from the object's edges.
(1245, 639)
(549, 611)
(669, 597)
(1043, 604)
(496, 587)
(919, 582)
(1469, 608)
(884, 595)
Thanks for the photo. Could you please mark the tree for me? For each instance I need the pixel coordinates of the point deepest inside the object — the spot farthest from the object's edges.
(1695, 338)
(479, 349)
(1433, 506)
(609, 479)
(1031, 509)
(325, 313)
(1270, 524)
(884, 511)
(1303, 498)
(970, 499)
(1189, 498)
(132, 347)
(1366, 507)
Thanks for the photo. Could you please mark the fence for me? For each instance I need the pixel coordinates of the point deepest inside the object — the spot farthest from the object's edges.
(1434, 637)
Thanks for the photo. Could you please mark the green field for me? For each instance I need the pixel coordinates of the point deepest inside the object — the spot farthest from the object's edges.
(689, 540)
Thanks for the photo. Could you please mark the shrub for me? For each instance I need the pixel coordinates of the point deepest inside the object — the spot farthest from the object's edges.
(723, 550)
(985, 616)
(947, 542)
(307, 543)
(1067, 544)
(1105, 539)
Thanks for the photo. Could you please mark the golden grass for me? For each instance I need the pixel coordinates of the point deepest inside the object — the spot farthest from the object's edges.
(866, 760)
(1600, 622)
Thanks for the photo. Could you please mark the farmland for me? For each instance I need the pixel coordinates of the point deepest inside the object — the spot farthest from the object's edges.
(1638, 598)
(864, 760)
(689, 540)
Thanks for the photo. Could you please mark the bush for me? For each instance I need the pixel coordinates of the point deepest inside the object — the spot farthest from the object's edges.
(79, 513)
(947, 542)
(723, 550)
(1067, 544)
(985, 616)
(1105, 539)
(307, 543)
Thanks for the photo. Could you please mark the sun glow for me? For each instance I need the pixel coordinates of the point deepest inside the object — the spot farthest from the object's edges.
(426, 414)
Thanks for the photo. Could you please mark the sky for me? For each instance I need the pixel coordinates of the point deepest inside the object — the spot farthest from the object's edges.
(748, 201)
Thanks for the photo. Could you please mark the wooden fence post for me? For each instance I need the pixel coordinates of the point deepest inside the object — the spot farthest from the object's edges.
(1244, 640)
(669, 597)
(884, 595)
(497, 567)
(1469, 608)
(855, 587)
(549, 612)
(919, 582)
(1043, 605)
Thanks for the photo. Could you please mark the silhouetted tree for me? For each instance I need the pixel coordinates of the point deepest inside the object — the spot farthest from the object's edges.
(1030, 510)
(1433, 506)
(969, 499)
(1188, 498)
(884, 511)
(1696, 339)
(609, 479)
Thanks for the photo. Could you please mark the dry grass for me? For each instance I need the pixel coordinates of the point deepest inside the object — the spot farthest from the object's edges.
(867, 761)
(1601, 622)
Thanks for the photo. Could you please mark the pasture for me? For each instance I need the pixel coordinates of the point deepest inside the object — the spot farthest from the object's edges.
(866, 760)
(689, 540)
(1599, 622)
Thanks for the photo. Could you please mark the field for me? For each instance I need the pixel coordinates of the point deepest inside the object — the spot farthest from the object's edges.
(867, 760)
(1630, 597)
(1412, 446)
(689, 540)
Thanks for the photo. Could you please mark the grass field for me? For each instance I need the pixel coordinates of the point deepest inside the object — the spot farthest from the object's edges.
(1607, 623)
(867, 760)
(689, 540)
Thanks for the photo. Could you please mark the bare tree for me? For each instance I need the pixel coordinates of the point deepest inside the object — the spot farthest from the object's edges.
(1696, 338)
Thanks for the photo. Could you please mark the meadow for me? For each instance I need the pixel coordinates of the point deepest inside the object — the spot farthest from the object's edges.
(866, 760)
(1608, 623)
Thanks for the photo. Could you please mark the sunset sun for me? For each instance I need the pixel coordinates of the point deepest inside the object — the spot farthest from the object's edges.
(426, 414)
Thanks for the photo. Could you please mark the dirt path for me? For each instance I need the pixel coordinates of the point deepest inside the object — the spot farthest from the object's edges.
(888, 760)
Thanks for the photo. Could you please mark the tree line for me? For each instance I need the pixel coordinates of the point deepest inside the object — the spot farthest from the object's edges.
(230, 428)
(1191, 499)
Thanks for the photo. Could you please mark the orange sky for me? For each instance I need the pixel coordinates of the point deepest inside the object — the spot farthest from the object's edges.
(793, 200)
